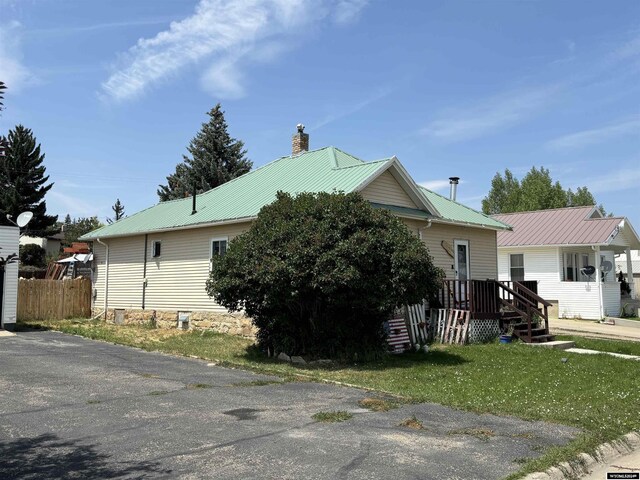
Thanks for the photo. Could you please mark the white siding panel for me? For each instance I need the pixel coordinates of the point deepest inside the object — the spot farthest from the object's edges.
(9, 241)
(386, 189)
(578, 300)
(483, 249)
(540, 264)
(611, 298)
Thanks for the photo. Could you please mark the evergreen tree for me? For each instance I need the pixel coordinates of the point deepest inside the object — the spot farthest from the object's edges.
(78, 227)
(23, 183)
(536, 191)
(118, 209)
(215, 158)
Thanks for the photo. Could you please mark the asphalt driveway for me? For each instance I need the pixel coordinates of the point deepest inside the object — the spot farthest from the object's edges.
(75, 408)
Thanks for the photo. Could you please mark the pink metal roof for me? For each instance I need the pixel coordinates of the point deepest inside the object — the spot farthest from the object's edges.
(561, 226)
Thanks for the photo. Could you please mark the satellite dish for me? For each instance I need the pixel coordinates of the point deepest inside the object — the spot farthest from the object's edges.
(588, 270)
(24, 218)
(606, 266)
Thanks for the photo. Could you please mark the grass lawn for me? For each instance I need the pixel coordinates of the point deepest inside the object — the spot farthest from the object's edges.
(596, 393)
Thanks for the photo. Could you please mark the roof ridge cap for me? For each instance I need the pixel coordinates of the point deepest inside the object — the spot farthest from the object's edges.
(460, 204)
(364, 163)
(549, 210)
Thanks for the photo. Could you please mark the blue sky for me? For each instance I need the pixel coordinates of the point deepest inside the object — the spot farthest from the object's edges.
(115, 90)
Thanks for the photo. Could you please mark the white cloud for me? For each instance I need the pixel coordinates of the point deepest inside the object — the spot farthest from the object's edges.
(491, 115)
(12, 71)
(628, 49)
(438, 185)
(435, 185)
(222, 37)
(349, 110)
(348, 11)
(618, 180)
(596, 135)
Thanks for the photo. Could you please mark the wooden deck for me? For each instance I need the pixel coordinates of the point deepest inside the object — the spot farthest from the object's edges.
(515, 304)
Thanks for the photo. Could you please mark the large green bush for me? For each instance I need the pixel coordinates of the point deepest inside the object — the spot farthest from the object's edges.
(320, 273)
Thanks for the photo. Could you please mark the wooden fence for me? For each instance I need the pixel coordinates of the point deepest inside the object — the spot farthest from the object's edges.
(54, 299)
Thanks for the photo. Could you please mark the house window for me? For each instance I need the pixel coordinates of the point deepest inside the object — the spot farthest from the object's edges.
(218, 247)
(156, 248)
(574, 265)
(571, 267)
(517, 267)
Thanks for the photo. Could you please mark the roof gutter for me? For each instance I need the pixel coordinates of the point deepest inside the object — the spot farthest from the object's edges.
(469, 224)
(173, 229)
(106, 276)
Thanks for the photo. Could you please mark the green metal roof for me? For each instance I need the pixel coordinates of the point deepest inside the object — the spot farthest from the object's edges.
(324, 170)
(404, 211)
(458, 213)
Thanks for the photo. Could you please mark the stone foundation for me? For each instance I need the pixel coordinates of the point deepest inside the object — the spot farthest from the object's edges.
(231, 323)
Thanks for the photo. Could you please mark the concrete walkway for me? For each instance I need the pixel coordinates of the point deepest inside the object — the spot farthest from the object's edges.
(629, 463)
(590, 328)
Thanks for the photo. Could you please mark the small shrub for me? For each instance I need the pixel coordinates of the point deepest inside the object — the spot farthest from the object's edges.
(332, 417)
(377, 404)
(412, 422)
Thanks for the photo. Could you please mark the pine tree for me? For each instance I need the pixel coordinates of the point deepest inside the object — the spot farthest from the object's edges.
(23, 183)
(118, 209)
(215, 158)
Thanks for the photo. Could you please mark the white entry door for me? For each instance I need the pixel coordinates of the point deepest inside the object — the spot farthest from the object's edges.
(461, 258)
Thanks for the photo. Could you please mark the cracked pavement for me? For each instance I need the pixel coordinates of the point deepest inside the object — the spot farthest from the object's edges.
(76, 408)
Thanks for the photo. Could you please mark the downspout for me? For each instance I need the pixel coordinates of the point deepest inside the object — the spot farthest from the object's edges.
(598, 279)
(106, 277)
(144, 270)
(428, 225)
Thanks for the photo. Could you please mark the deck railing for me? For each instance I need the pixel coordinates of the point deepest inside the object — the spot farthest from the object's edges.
(490, 298)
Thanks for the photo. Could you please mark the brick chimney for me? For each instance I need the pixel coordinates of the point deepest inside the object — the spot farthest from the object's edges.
(300, 141)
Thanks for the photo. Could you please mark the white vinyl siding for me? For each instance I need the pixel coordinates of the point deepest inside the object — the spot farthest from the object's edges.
(576, 299)
(611, 299)
(482, 248)
(9, 239)
(386, 189)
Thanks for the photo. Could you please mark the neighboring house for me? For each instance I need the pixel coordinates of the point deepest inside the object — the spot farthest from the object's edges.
(622, 266)
(555, 247)
(158, 259)
(51, 244)
(9, 237)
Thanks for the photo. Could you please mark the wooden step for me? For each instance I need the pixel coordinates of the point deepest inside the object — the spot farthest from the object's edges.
(542, 338)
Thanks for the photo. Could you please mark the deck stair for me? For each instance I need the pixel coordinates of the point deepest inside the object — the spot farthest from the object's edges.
(524, 313)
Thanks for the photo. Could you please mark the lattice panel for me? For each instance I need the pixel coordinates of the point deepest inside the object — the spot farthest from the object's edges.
(481, 331)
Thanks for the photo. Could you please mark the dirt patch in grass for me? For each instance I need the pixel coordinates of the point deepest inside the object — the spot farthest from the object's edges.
(378, 404)
(257, 383)
(332, 417)
(481, 433)
(412, 422)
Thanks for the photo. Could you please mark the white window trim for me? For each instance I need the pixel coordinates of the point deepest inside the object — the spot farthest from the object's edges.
(216, 239)
(467, 243)
(524, 271)
(153, 247)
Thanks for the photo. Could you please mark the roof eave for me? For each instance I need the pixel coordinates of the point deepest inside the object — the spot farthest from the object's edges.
(171, 229)
(471, 224)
